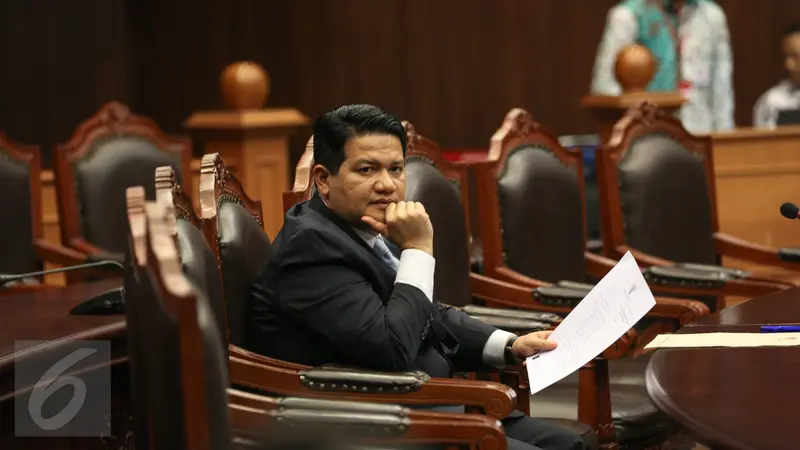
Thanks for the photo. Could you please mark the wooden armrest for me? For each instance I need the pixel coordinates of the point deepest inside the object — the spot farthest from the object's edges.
(503, 293)
(512, 276)
(734, 247)
(643, 259)
(474, 310)
(410, 388)
(84, 247)
(516, 326)
(749, 287)
(585, 287)
(683, 310)
(597, 265)
(57, 254)
(308, 421)
(679, 276)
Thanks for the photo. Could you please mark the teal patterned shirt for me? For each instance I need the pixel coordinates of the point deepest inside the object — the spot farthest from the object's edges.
(706, 61)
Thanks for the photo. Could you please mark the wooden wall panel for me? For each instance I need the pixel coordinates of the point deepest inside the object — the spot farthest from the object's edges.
(453, 67)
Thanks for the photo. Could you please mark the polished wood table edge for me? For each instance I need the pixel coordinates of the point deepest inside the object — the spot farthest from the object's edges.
(110, 331)
(704, 435)
(18, 392)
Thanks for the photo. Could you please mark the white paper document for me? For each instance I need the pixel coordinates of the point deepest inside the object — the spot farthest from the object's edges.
(610, 309)
(723, 340)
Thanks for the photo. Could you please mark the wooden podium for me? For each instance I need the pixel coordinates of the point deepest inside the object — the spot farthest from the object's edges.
(253, 142)
(756, 171)
(634, 68)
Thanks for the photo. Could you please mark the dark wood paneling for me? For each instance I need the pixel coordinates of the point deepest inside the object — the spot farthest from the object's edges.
(452, 67)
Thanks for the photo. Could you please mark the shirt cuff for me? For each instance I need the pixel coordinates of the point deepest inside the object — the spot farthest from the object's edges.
(494, 352)
(416, 269)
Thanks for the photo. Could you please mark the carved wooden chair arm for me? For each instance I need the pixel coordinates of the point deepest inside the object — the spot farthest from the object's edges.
(364, 423)
(734, 247)
(57, 254)
(671, 278)
(94, 253)
(409, 388)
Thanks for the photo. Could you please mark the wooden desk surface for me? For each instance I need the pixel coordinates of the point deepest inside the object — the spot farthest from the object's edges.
(44, 315)
(733, 398)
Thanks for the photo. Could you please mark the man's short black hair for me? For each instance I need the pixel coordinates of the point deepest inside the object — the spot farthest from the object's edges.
(791, 29)
(335, 127)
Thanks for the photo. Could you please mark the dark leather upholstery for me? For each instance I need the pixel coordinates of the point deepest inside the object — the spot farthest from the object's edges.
(542, 216)
(216, 368)
(113, 164)
(516, 326)
(157, 333)
(16, 227)
(158, 336)
(678, 276)
(664, 200)
(508, 313)
(542, 219)
(425, 184)
(358, 418)
(349, 379)
(789, 254)
(244, 250)
(200, 266)
(133, 294)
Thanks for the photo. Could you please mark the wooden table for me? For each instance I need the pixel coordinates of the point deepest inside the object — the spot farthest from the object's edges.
(736, 398)
(44, 315)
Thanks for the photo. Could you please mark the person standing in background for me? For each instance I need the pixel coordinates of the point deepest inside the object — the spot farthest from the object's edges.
(690, 42)
(786, 94)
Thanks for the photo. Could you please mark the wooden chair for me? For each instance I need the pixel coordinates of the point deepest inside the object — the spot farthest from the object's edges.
(111, 151)
(188, 400)
(24, 248)
(234, 232)
(532, 218)
(658, 200)
(532, 209)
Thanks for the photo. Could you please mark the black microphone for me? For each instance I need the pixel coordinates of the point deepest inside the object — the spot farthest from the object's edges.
(106, 303)
(790, 210)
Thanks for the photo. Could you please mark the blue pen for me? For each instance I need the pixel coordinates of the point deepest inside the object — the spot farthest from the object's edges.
(780, 328)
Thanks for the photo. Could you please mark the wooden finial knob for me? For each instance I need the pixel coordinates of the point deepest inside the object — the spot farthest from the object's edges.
(634, 68)
(244, 85)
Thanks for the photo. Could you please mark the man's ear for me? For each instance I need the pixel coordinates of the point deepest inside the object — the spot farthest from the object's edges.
(321, 176)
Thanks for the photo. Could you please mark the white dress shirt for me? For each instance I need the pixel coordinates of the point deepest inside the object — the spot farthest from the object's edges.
(416, 268)
(706, 62)
(785, 95)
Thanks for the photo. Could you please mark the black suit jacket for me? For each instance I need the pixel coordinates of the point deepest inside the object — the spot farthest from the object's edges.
(326, 297)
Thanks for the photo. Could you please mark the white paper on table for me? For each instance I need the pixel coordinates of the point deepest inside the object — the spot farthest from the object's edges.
(723, 340)
(610, 309)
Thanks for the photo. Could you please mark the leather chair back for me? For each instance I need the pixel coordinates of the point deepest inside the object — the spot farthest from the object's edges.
(111, 151)
(659, 183)
(168, 312)
(540, 201)
(20, 222)
(198, 261)
(441, 187)
(235, 232)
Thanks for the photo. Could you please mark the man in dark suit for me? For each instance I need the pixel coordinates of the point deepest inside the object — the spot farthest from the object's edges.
(351, 277)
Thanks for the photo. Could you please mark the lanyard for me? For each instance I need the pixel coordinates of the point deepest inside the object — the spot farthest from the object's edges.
(674, 32)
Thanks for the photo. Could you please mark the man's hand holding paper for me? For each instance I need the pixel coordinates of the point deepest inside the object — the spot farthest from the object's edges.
(610, 309)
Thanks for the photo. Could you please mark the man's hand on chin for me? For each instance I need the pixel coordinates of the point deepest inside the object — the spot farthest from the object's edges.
(531, 344)
(407, 225)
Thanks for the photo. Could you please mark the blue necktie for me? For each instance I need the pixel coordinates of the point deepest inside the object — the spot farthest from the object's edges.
(385, 254)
